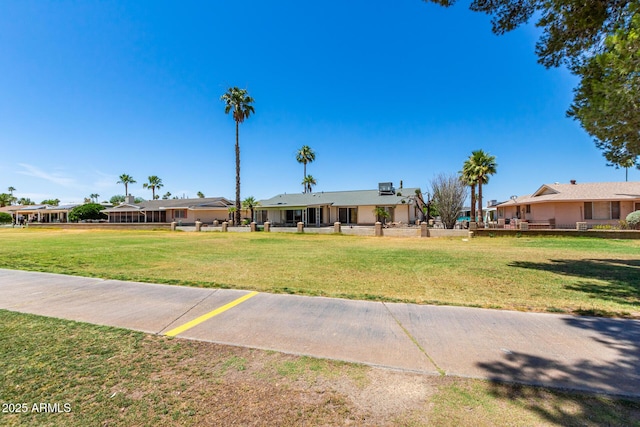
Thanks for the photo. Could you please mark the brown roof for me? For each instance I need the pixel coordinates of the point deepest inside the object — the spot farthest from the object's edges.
(602, 191)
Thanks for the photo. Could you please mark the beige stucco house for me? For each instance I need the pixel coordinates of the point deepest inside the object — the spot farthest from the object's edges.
(41, 213)
(184, 211)
(563, 205)
(347, 207)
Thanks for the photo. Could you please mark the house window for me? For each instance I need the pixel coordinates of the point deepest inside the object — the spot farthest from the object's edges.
(294, 216)
(601, 210)
(180, 213)
(528, 209)
(348, 215)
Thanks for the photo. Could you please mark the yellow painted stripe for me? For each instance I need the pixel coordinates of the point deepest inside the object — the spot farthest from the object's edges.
(197, 321)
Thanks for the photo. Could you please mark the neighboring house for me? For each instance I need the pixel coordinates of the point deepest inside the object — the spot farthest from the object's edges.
(185, 211)
(347, 207)
(563, 205)
(42, 213)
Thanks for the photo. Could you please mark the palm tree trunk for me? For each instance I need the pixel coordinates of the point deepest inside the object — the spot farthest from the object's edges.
(237, 215)
(305, 175)
(473, 203)
(480, 201)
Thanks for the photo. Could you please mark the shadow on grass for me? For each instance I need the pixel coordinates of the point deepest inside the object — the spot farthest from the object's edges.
(617, 374)
(613, 280)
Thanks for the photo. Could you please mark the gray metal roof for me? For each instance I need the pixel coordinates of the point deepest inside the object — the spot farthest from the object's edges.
(159, 205)
(339, 198)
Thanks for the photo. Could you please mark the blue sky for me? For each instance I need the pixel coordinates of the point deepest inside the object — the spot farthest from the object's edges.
(382, 91)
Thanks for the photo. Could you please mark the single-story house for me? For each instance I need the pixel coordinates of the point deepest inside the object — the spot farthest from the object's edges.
(347, 207)
(41, 213)
(563, 205)
(184, 211)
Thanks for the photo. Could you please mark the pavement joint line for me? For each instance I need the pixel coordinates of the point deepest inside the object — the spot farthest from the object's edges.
(197, 321)
(441, 371)
(187, 310)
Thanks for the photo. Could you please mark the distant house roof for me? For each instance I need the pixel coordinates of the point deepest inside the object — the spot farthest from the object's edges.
(339, 198)
(160, 205)
(594, 191)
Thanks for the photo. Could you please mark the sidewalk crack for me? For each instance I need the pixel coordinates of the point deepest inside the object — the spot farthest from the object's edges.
(415, 342)
(213, 291)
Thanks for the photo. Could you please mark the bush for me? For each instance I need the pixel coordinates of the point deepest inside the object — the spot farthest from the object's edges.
(5, 218)
(87, 211)
(633, 220)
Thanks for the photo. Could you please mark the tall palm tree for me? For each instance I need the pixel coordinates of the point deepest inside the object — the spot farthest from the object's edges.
(154, 182)
(469, 176)
(305, 155)
(238, 101)
(126, 180)
(11, 190)
(484, 166)
(308, 182)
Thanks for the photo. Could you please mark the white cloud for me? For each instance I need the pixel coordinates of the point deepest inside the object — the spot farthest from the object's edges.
(55, 178)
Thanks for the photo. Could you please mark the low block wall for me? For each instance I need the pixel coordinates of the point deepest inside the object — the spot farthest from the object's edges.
(104, 225)
(603, 234)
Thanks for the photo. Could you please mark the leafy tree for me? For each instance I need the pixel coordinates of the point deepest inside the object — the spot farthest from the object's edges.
(308, 182)
(138, 200)
(449, 194)
(126, 180)
(5, 199)
(598, 41)
(51, 202)
(607, 100)
(166, 196)
(305, 155)
(238, 101)
(117, 199)
(201, 194)
(86, 212)
(154, 182)
(25, 201)
(250, 203)
(5, 218)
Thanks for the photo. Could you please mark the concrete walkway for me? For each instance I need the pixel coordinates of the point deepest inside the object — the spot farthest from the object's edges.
(580, 353)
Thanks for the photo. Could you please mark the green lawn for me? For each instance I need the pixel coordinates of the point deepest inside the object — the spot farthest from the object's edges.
(100, 376)
(573, 275)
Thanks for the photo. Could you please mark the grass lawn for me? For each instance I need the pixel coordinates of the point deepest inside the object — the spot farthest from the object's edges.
(88, 375)
(572, 275)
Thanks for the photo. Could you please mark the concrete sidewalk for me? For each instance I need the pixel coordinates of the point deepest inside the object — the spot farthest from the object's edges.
(580, 353)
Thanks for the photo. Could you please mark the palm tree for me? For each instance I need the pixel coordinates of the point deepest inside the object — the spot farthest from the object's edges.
(94, 197)
(305, 155)
(469, 177)
(154, 182)
(238, 101)
(166, 196)
(250, 203)
(11, 190)
(126, 180)
(484, 166)
(200, 194)
(308, 182)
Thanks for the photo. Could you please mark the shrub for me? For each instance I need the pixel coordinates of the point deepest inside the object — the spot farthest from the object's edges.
(633, 219)
(5, 218)
(87, 211)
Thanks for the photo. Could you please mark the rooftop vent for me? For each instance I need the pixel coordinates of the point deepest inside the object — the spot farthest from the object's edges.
(386, 189)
